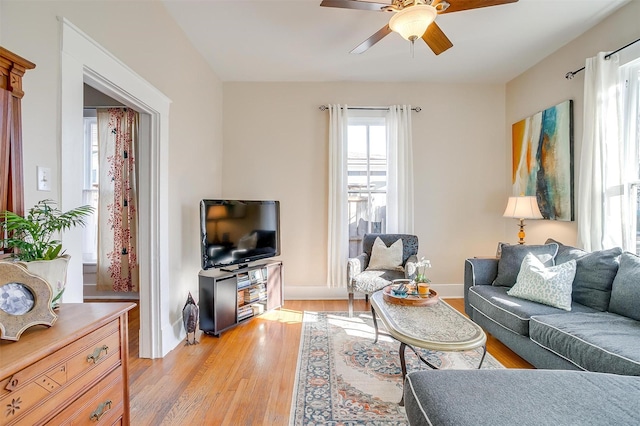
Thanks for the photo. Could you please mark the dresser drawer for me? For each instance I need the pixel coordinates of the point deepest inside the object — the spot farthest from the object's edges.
(100, 405)
(33, 394)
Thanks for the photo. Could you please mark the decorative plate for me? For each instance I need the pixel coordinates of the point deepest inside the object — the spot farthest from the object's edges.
(25, 301)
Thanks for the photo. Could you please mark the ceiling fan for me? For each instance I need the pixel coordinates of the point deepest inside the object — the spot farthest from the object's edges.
(413, 19)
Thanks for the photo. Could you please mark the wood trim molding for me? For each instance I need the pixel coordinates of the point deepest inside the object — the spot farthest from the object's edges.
(12, 68)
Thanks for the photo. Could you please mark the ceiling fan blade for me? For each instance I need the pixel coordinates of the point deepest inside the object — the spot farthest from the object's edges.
(436, 39)
(362, 47)
(354, 4)
(460, 5)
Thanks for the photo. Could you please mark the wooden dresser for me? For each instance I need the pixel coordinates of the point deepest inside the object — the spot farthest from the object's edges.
(72, 373)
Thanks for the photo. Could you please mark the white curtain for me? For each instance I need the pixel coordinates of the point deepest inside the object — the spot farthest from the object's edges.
(338, 206)
(338, 238)
(400, 170)
(603, 203)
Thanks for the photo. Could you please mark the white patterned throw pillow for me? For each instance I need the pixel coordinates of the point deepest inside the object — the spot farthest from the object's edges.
(548, 285)
(383, 257)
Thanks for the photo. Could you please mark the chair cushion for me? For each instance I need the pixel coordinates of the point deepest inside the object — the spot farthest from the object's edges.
(409, 244)
(370, 281)
(625, 291)
(511, 312)
(596, 341)
(550, 286)
(512, 257)
(383, 257)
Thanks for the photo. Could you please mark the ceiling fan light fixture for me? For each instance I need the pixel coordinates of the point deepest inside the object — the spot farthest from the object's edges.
(412, 22)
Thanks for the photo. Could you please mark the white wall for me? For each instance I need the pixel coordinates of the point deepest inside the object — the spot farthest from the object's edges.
(143, 36)
(544, 85)
(275, 147)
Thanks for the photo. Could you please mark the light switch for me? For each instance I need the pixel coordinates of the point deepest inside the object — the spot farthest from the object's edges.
(44, 178)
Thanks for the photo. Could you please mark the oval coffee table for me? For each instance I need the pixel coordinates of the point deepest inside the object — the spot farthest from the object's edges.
(436, 327)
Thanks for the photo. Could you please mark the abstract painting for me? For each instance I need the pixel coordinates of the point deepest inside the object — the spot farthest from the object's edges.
(543, 160)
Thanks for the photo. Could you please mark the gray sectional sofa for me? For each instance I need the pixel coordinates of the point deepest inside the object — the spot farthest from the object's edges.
(600, 333)
(521, 397)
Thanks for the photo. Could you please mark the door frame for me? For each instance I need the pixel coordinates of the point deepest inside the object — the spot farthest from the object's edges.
(83, 60)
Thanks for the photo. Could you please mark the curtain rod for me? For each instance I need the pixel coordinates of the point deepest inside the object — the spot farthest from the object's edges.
(572, 74)
(325, 107)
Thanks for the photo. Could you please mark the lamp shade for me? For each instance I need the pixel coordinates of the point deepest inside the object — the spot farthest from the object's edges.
(412, 22)
(523, 208)
(217, 212)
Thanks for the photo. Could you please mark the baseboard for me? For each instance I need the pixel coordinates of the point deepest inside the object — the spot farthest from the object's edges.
(327, 293)
(90, 292)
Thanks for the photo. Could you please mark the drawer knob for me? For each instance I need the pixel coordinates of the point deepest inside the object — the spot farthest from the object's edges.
(100, 411)
(97, 353)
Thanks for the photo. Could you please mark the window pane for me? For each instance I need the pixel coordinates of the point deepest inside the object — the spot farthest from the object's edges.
(635, 199)
(378, 175)
(367, 181)
(357, 142)
(90, 193)
(378, 138)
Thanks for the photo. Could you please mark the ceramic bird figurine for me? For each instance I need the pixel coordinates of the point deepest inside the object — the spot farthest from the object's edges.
(190, 319)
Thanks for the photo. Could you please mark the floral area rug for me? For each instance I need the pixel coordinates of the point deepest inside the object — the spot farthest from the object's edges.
(343, 378)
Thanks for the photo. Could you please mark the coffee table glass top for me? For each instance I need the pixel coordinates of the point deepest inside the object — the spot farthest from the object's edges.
(436, 327)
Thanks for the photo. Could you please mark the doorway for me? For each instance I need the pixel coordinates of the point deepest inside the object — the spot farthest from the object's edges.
(92, 165)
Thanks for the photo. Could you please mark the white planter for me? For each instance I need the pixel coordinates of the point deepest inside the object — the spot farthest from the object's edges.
(54, 273)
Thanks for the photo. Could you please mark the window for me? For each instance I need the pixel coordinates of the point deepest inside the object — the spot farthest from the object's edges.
(631, 134)
(90, 189)
(366, 178)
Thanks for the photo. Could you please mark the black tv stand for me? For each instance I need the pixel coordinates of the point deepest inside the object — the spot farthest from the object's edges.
(240, 266)
(230, 297)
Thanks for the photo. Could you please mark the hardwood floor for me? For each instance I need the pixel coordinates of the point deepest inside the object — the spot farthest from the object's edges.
(245, 377)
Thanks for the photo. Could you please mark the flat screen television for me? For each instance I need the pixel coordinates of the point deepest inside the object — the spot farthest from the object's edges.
(236, 232)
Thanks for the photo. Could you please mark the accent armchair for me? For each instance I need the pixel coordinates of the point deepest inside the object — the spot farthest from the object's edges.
(368, 281)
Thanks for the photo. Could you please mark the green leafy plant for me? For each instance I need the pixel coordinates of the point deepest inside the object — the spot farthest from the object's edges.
(32, 236)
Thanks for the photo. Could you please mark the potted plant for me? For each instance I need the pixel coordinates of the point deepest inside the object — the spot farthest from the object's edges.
(32, 239)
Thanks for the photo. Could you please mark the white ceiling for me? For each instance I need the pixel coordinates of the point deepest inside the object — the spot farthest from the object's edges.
(297, 40)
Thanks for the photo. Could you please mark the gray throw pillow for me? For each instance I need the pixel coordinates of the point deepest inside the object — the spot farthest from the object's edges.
(594, 277)
(566, 253)
(594, 273)
(512, 257)
(625, 292)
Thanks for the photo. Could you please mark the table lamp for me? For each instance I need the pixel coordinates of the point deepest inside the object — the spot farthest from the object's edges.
(522, 207)
(215, 214)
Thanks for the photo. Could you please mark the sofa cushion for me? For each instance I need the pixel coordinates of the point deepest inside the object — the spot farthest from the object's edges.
(511, 312)
(520, 397)
(594, 277)
(550, 286)
(566, 253)
(596, 341)
(512, 257)
(625, 292)
(595, 272)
